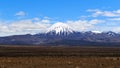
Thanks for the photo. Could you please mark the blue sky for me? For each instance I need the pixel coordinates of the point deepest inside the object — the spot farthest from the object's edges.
(63, 9)
(33, 16)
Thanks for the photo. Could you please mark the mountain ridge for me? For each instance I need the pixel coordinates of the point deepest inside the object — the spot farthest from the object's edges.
(62, 34)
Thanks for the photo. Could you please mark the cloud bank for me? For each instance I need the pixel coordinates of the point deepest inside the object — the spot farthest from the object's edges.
(27, 26)
(98, 20)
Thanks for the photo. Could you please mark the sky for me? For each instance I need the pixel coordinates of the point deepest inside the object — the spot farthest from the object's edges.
(36, 16)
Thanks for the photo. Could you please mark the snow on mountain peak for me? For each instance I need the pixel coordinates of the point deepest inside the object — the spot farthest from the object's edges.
(60, 28)
(96, 32)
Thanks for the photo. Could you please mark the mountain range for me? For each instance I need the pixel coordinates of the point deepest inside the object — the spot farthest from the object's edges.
(62, 34)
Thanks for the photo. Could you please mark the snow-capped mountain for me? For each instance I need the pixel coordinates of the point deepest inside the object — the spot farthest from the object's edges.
(62, 34)
(60, 29)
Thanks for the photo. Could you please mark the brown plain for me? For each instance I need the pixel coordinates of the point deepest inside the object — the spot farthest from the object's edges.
(59, 57)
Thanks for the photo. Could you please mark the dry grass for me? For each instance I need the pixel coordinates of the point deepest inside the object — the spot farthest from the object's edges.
(59, 57)
(59, 62)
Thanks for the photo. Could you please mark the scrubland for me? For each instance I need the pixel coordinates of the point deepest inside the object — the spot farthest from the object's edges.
(59, 57)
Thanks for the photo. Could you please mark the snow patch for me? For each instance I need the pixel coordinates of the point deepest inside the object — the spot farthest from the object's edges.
(96, 31)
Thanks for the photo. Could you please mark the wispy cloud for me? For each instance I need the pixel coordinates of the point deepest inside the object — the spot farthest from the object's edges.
(20, 13)
(115, 19)
(111, 22)
(84, 25)
(97, 12)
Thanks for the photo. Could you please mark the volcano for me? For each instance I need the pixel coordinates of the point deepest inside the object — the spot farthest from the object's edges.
(63, 34)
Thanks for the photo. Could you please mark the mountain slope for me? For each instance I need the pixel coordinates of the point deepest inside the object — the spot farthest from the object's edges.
(62, 34)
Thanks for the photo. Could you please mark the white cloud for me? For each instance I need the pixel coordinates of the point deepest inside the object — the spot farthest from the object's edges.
(109, 14)
(36, 25)
(36, 19)
(23, 27)
(96, 12)
(117, 11)
(95, 21)
(20, 13)
(83, 25)
(110, 22)
(79, 25)
(45, 21)
(116, 29)
(115, 19)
